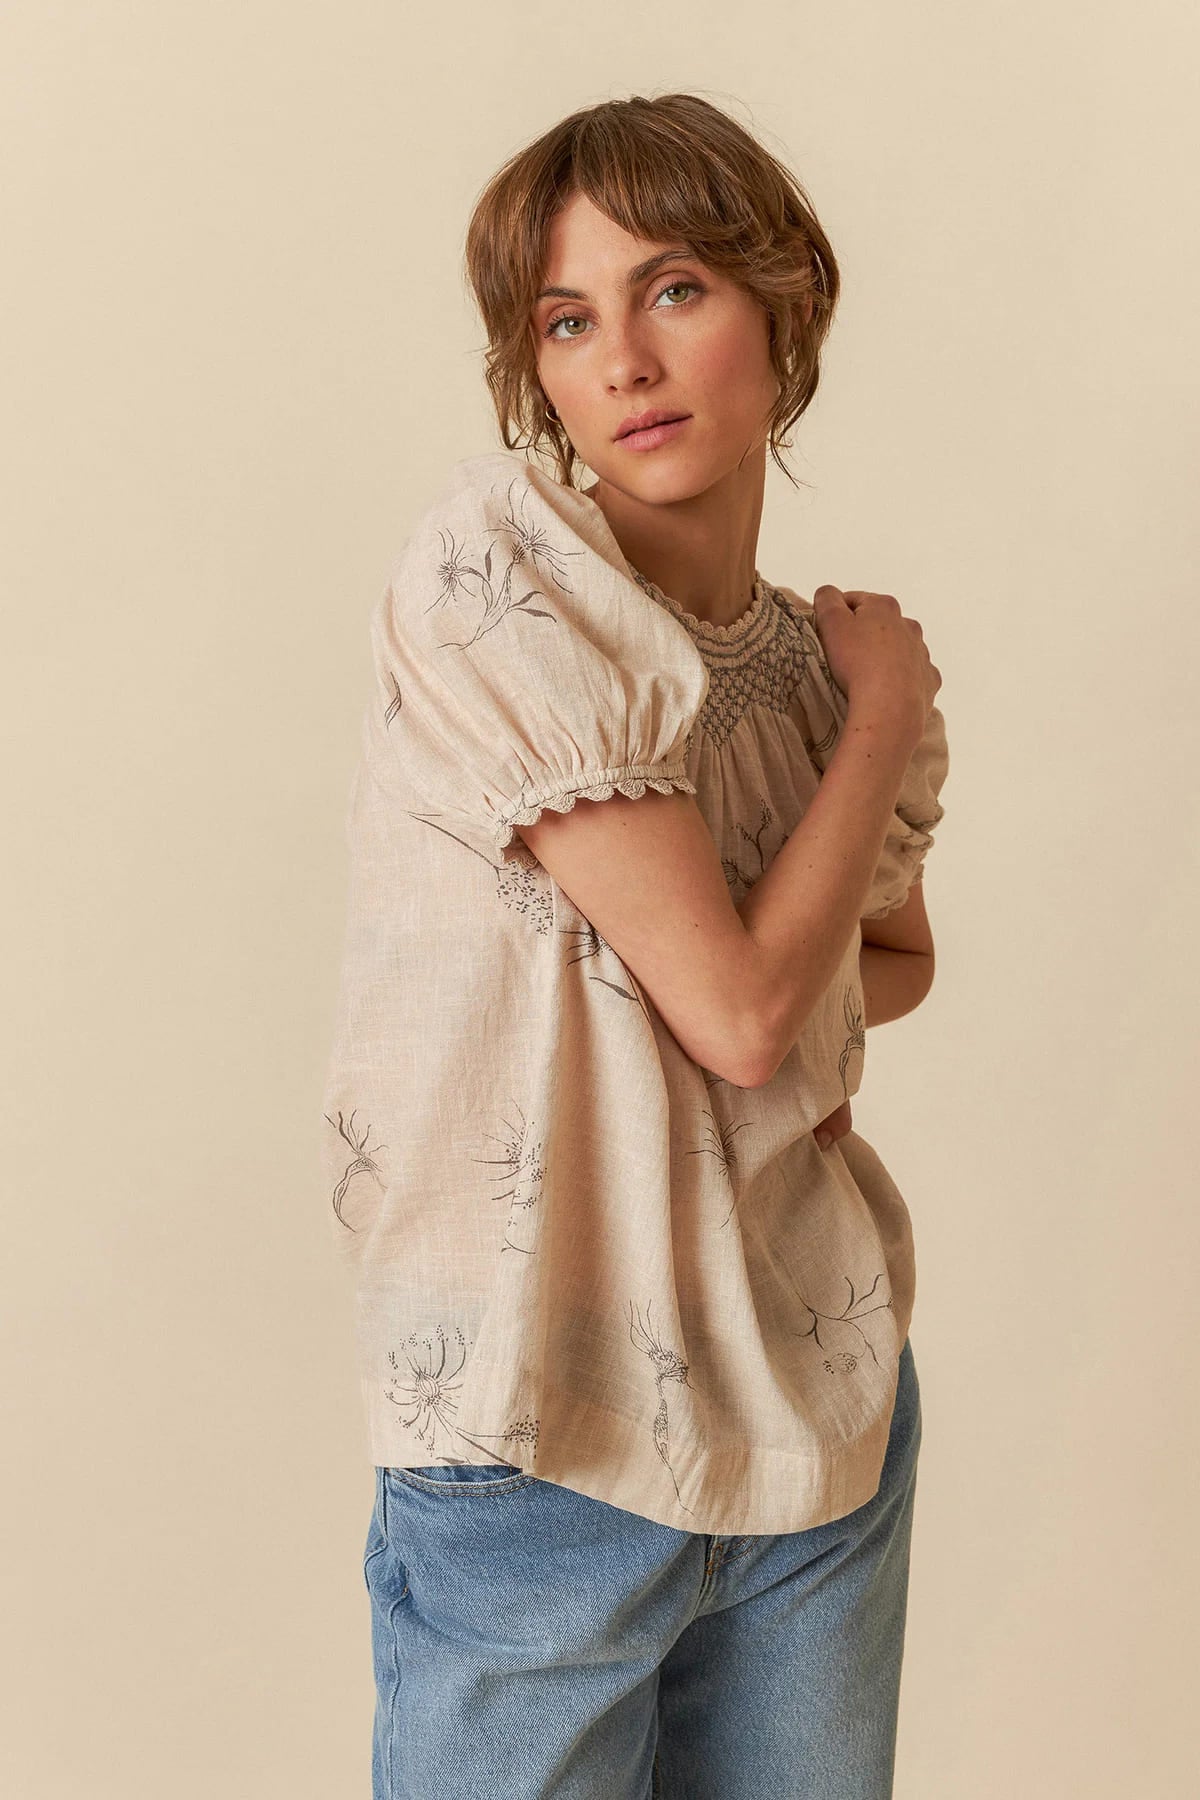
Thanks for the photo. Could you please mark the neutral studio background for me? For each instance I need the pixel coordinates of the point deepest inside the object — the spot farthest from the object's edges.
(238, 355)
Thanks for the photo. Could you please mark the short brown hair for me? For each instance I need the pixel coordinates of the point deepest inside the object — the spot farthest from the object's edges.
(672, 168)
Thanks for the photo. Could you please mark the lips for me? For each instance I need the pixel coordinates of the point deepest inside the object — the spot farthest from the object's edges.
(643, 421)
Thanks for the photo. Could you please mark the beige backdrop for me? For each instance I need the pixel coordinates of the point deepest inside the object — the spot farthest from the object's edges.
(238, 354)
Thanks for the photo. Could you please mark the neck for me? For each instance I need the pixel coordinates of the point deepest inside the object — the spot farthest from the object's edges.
(700, 550)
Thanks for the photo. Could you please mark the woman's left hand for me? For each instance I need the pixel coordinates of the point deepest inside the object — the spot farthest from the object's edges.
(835, 1126)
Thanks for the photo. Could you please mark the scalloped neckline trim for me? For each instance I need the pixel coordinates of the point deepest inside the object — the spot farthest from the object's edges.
(721, 634)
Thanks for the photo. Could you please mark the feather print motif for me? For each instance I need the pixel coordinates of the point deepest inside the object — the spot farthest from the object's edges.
(856, 1041)
(362, 1163)
(668, 1366)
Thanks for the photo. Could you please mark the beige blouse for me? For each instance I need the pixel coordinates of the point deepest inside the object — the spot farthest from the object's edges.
(573, 1249)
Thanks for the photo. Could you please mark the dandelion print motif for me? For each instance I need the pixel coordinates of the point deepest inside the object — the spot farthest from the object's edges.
(363, 1162)
(523, 886)
(530, 545)
(668, 1366)
(522, 1431)
(425, 1385)
(521, 1182)
(720, 1145)
(592, 944)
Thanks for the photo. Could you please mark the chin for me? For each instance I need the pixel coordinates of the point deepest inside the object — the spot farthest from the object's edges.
(659, 479)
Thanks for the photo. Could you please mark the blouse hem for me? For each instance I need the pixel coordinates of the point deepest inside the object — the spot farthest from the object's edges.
(772, 1490)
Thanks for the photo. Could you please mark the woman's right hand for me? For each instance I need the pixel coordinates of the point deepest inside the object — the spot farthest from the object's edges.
(877, 656)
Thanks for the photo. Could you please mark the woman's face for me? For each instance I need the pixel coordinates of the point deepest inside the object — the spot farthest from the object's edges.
(680, 338)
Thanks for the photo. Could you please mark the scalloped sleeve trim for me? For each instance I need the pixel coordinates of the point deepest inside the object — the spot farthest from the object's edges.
(631, 779)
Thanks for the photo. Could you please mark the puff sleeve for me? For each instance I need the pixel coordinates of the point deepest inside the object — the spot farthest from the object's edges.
(917, 813)
(519, 666)
(918, 810)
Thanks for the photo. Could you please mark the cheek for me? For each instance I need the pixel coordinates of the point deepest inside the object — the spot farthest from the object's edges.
(731, 366)
(568, 379)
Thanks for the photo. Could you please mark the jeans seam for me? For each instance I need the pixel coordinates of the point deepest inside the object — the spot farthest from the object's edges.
(387, 1542)
(499, 1484)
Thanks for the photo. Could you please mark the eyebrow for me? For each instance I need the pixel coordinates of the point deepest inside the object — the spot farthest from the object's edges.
(638, 273)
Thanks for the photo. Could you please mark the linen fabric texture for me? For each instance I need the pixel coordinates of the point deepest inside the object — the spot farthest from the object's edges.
(573, 1250)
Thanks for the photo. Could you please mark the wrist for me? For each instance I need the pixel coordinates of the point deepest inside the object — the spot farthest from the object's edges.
(890, 724)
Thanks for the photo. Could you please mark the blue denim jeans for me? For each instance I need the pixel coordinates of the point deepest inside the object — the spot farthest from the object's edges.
(530, 1642)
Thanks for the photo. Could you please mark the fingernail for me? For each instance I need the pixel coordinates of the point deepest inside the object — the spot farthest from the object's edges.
(824, 1138)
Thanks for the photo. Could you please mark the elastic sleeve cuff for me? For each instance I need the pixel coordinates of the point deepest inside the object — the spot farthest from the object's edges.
(631, 779)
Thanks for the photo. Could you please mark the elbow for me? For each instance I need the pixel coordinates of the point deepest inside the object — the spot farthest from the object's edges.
(772, 1035)
(746, 1032)
(754, 1075)
(739, 1053)
(764, 1027)
(763, 1069)
(761, 1058)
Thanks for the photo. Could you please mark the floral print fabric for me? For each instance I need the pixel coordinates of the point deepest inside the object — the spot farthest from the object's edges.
(573, 1249)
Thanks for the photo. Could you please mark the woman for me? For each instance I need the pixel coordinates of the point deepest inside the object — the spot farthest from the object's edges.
(632, 1298)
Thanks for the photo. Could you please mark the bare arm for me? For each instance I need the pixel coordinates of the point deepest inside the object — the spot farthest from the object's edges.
(896, 960)
(894, 982)
(733, 984)
(807, 906)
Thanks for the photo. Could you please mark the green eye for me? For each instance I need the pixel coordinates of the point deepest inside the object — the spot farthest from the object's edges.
(577, 318)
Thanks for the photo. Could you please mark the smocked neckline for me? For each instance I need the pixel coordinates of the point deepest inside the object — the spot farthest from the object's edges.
(723, 634)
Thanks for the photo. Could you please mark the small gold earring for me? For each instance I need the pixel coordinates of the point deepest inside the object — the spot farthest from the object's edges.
(550, 412)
